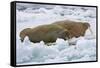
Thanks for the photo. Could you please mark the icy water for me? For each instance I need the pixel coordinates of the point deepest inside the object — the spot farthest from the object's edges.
(39, 53)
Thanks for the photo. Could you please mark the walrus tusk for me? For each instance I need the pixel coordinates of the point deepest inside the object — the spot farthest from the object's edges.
(68, 39)
(91, 31)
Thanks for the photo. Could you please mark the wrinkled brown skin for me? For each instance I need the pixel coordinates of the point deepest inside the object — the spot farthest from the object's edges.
(75, 29)
(49, 33)
(46, 33)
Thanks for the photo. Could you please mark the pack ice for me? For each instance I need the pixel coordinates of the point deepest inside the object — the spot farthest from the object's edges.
(59, 51)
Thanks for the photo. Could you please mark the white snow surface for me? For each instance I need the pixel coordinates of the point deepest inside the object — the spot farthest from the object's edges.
(60, 51)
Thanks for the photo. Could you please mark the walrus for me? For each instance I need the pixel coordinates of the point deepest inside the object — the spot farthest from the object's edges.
(60, 29)
(46, 33)
(75, 29)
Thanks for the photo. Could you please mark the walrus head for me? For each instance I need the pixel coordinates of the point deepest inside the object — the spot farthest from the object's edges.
(87, 26)
(24, 33)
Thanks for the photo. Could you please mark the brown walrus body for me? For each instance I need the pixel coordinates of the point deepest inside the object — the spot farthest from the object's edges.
(46, 33)
(49, 33)
(75, 29)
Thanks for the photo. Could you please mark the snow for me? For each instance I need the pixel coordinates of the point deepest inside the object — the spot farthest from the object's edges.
(61, 44)
(72, 50)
